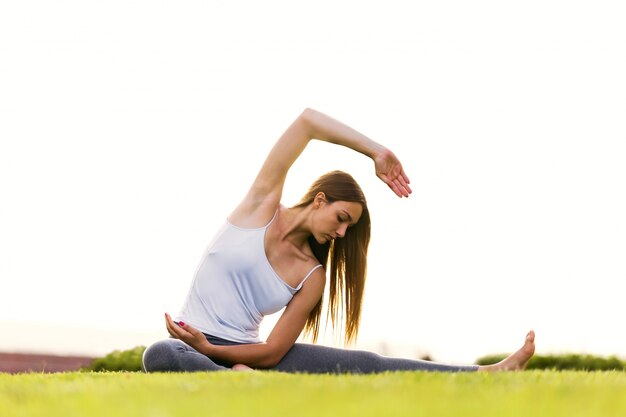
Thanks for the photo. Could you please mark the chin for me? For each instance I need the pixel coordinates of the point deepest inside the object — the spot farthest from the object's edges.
(321, 240)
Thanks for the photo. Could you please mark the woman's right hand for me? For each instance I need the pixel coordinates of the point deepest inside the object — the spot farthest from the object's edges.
(190, 335)
(390, 171)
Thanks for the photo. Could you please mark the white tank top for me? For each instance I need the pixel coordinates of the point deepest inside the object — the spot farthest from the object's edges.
(235, 286)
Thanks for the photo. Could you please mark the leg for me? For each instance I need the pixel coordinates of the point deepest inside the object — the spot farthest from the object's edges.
(321, 359)
(173, 355)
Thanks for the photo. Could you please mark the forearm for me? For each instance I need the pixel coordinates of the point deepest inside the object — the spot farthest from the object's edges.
(256, 355)
(323, 127)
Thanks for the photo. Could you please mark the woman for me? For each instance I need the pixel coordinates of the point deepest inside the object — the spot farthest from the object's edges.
(267, 256)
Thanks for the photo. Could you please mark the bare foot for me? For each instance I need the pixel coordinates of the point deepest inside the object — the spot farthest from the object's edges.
(516, 361)
(241, 367)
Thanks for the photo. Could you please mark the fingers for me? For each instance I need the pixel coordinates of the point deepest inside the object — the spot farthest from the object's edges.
(405, 180)
(405, 177)
(404, 185)
(169, 327)
(181, 330)
(400, 187)
(174, 329)
(397, 188)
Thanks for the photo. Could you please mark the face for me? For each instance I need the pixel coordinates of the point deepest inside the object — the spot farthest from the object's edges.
(331, 220)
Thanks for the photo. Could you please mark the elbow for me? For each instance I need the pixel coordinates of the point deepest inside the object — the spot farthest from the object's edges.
(308, 119)
(307, 114)
(270, 360)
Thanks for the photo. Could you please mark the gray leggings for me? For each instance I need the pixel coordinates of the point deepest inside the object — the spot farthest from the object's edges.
(173, 355)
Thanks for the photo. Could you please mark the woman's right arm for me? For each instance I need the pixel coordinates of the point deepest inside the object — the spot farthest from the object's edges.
(284, 334)
(263, 198)
(281, 339)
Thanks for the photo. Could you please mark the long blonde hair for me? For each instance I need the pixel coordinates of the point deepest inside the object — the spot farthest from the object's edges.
(345, 259)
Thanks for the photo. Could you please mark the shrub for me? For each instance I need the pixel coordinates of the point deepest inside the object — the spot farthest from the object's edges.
(567, 361)
(119, 360)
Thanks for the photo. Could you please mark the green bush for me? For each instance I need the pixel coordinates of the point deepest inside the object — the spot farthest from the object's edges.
(567, 361)
(119, 360)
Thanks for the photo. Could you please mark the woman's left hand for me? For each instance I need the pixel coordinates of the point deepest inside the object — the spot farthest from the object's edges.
(389, 169)
(193, 337)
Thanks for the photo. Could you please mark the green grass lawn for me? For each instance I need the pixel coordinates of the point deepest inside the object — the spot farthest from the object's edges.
(527, 394)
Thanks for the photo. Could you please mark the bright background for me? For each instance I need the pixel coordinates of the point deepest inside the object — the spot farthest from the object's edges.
(130, 129)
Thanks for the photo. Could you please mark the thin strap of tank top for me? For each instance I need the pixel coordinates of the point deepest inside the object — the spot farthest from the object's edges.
(271, 221)
(308, 275)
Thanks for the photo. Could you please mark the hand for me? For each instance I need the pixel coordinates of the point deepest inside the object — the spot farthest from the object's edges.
(193, 337)
(389, 169)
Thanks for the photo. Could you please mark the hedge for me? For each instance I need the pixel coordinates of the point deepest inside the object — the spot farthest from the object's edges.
(570, 361)
(119, 360)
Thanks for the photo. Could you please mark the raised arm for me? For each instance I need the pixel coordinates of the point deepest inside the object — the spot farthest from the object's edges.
(388, 167)
(263, 198)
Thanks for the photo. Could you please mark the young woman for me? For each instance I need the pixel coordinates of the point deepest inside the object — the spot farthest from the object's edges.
(267, 256)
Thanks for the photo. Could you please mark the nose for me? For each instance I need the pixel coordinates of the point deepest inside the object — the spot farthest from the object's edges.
(341, 232)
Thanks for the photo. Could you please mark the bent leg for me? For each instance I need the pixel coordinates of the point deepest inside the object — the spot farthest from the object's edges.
(322, 359)
(173, 355)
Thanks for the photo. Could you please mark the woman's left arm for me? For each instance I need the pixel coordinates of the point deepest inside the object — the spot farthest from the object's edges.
(267, 188)
(388, 167)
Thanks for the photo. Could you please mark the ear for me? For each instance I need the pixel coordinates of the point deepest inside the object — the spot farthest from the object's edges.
(319, 200)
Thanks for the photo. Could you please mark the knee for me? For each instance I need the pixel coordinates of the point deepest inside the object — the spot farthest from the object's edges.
(365, 362)
(160, 356)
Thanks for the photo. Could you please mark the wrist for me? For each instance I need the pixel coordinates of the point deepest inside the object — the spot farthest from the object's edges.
(207, 349)
(376, 150)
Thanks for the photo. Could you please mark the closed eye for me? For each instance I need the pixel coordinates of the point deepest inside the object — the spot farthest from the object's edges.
(345, 221)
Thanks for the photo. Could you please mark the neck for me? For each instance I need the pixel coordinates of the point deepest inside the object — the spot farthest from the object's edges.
(295, 225)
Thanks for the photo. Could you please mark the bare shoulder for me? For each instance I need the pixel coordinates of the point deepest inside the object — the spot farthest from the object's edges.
(252, 213)
(313, 287)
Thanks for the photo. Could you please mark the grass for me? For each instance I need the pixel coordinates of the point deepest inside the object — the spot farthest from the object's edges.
(257, 394)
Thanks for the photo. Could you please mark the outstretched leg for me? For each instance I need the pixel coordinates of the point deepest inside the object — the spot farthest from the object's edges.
(322, 359)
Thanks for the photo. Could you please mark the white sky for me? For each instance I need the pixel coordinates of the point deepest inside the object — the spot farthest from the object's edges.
(130, 129)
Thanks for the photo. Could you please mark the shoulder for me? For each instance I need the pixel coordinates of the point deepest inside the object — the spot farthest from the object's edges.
(313, 288)
(252, 213)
